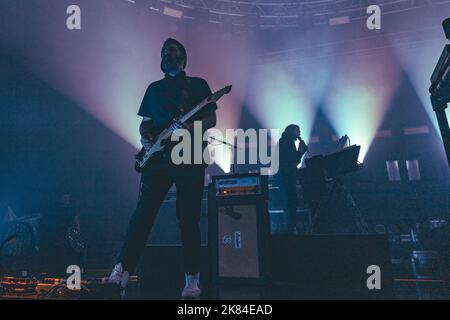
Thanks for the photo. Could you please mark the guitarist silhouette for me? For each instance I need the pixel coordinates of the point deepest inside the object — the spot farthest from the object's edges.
(165, 100)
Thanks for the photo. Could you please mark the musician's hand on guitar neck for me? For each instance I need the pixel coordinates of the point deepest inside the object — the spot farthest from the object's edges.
(177, 125)
(189, 126)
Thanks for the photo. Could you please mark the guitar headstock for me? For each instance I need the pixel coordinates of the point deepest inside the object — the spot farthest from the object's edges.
(218, 94)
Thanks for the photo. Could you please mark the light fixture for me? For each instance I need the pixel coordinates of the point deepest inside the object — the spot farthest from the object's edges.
(339, 20)
(171, 12)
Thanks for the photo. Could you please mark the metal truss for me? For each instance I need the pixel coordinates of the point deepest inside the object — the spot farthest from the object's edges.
(284, 13)
(370, 45)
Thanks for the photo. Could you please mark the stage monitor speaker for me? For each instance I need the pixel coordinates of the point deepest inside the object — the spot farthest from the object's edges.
(331, 267)
(238, 228)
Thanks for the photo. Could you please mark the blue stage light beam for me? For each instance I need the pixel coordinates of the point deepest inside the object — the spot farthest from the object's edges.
(277, 100)
(359, 97)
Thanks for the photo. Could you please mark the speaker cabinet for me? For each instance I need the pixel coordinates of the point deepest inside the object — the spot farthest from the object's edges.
(238, 246)
(330, 266)
(238, 231)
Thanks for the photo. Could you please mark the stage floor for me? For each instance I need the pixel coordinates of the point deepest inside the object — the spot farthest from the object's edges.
(404, 289)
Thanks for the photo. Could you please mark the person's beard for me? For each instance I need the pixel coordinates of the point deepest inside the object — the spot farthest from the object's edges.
(170, 65)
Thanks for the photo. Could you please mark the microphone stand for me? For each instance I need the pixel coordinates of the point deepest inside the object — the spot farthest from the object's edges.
(439, 107)
(233, 169)
(440, 90)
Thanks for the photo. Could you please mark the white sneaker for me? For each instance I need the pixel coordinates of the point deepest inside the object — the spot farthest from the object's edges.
(119, 277)
(191, 289)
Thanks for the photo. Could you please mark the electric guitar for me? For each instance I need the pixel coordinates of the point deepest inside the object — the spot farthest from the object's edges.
(143, 157)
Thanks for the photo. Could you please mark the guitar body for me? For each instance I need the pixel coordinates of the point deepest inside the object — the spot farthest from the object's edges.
(138, 157)
(144, 155)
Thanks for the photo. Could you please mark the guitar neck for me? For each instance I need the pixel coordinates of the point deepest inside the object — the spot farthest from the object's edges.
(194, 110)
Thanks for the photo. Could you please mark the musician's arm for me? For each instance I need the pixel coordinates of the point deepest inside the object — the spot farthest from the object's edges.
(302, 148)
(145, 129)
(146, 126)
(300, 151)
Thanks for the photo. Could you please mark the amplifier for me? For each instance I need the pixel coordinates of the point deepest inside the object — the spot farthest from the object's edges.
(238, 228)
(238, 185)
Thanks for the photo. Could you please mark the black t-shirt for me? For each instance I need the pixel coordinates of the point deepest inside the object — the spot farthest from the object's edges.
(171, 98)
(289, 157)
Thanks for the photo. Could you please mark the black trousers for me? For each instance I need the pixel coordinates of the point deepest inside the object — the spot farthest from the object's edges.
(154, 186)
(288, 188)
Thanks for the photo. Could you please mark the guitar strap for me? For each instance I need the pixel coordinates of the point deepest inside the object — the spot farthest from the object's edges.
(184, 97)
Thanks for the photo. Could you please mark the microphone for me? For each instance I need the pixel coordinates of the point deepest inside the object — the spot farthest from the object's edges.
(446, 26)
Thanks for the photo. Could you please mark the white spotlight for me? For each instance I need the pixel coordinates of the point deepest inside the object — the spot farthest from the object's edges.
(173, 12)
(339, 20)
